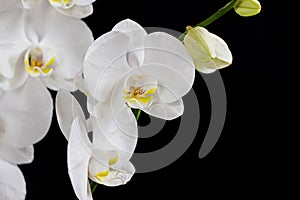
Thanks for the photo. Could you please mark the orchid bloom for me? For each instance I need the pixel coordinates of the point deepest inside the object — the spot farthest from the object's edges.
(95, 158)
(128, 68)
(41, 44)
(208, 51)
(72, 8)
(12, 182)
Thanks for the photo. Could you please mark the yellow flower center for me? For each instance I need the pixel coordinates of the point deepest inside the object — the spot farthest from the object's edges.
(139, 90)
(62, 3)
(113, 158)
(36, 63)
(139, 96)
(101, 175)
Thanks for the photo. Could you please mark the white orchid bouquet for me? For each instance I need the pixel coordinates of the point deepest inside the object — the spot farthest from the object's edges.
(45, 44)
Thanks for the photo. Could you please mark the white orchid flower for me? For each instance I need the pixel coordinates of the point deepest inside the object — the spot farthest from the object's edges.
(25, 118)
(41, 44)
(209, 52)
(72, 8)
(128, 68)
(99, 160)
(12, 182)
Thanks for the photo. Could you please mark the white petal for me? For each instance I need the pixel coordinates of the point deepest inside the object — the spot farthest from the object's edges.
(136, 34)
(12, 182)
(8, 5)
(115, 126)
(34, 24)
(26, 113)
(14, 155)
(172, 85)
(8, 60)
(76, 11)
(112, 135)
(12, 41)
(79, 154)
(70, 50)
(67, 110)
(80, 85)
(115, 123)
(105, 64)
(55, 82)
(164, 49)
(167, 111)
(83, 2)
(128, 26)
(28, 4)
(18, 79)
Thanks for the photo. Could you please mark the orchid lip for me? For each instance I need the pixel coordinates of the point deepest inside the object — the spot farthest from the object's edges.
(139, 90)
(65, 4)
(105, 175)
(39, 61)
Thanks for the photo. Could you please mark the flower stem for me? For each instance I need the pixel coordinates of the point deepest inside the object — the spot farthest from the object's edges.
(213, 17)
(93, 186)
(218, 14)
(137, 114)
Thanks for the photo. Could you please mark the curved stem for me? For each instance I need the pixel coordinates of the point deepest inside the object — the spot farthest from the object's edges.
(214, 17)
(218, 14)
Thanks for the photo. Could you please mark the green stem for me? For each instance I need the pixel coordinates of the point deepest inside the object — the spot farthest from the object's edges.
(93, 186)
(214, 17)
(137, 114)
(218, 14)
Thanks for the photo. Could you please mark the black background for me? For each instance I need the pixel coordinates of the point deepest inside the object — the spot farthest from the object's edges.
(246, 162)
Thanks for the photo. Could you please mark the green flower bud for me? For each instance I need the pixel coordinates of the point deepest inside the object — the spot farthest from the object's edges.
(208, 51)
(247, 8)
